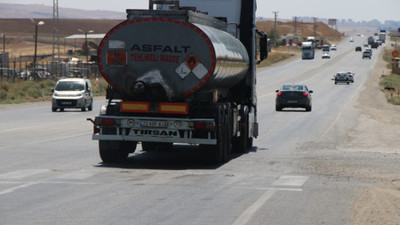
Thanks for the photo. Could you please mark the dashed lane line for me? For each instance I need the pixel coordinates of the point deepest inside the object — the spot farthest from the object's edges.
(289, 181)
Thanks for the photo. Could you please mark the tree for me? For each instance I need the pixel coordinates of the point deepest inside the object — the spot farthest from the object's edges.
(274, 36)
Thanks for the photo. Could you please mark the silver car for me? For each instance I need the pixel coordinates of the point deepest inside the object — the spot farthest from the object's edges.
(72, 93)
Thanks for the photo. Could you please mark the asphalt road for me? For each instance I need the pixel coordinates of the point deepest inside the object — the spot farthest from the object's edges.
(50, 171)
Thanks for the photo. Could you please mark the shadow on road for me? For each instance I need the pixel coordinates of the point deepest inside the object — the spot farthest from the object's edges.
(178, 158)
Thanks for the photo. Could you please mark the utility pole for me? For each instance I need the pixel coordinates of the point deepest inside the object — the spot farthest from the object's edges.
(276, 31)
(4, 43)
(315, 26)
(295, 25)
(87, 49)
(56, 32)
(35, 52)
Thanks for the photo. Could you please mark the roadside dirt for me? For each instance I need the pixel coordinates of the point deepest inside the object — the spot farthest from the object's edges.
(364, 147)
(377, 132)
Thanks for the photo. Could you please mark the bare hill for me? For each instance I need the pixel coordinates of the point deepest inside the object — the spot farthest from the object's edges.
(66, 26)
(302, 29)
(43, 11)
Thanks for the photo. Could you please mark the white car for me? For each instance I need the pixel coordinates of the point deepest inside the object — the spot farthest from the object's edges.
(72, 93)
(333, 48)
(326, 55)
(351, 76)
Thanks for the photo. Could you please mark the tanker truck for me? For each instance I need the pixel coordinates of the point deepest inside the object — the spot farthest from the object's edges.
(182, 72)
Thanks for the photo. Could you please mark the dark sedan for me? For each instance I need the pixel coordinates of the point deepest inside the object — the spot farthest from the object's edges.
(293, 96)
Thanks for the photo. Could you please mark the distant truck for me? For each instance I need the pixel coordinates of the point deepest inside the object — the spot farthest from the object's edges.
(182, 72)
(382, 36)
(307, 50)
(371, 40)
(367, 53)
(312, 40)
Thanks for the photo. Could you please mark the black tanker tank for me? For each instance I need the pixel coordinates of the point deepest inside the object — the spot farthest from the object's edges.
(169, 55)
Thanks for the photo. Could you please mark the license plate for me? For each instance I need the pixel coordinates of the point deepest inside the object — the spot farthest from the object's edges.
(154, 123)
(66, 103)
(292, 101)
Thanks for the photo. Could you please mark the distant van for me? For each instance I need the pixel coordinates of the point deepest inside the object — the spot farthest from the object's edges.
(72, 93)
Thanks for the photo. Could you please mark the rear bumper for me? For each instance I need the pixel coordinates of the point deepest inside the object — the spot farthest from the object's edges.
(293, 103)
(176, 131)
(68, 102)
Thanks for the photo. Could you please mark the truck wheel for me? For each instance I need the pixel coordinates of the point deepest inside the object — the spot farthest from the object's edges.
(90, 108)
(308, 108)
(115, 151)
(229, 131)
(240, 143)
(249, 143)
(155, 146)
(53, 109)
(216, 154)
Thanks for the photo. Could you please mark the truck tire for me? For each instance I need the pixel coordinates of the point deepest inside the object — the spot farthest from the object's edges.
(240, 144)
(229, 130)
(115, 151)
(217, 154)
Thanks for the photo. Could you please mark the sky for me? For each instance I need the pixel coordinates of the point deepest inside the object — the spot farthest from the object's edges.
(358, 10)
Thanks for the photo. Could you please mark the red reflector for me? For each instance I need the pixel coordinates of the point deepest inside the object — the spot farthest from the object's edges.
(140, 107)
(204, 125)
(107, 122)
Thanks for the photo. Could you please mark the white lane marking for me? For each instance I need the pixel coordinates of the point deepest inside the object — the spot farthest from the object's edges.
(245, 217)
(22, 173)
(10, 190)
(77, 175)
(270, 188)
(292, 181)
(59, 138)
(46, 140)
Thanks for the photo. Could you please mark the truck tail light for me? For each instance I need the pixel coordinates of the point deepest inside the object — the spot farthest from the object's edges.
(107, 122)
(204, 125)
